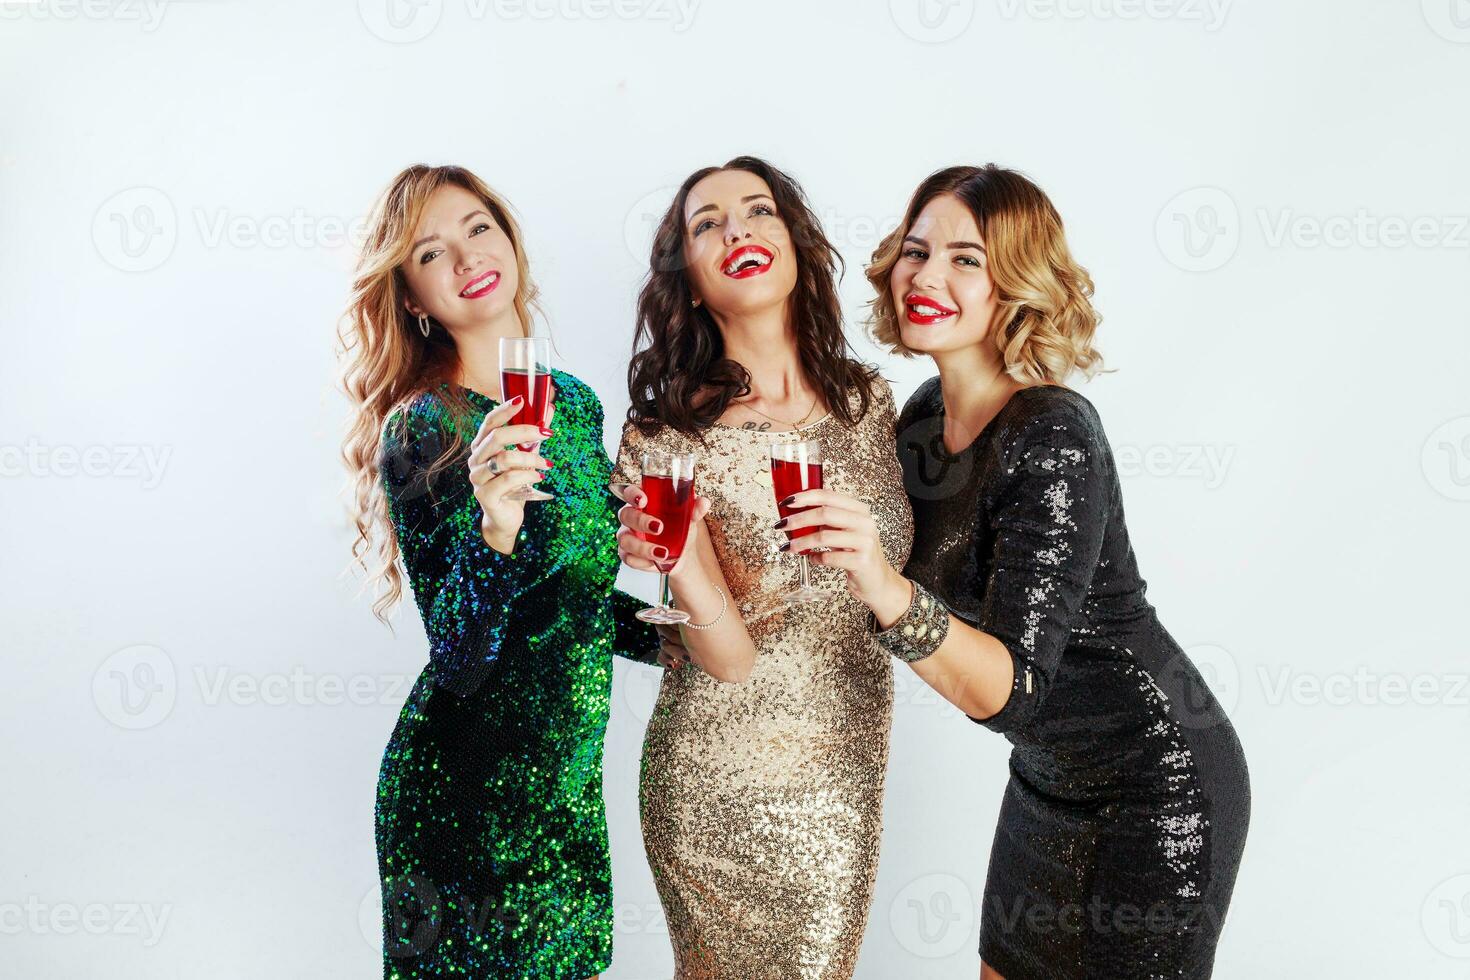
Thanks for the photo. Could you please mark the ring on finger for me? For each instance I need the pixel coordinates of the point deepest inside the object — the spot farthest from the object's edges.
(494, 466)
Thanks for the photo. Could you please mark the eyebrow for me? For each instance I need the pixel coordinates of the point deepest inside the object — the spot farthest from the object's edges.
(430, 238)
(744, 200)
(924, 244)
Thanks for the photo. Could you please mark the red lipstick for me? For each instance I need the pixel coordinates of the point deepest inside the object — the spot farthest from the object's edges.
(747, 261)
(482, 285)
(924, 311)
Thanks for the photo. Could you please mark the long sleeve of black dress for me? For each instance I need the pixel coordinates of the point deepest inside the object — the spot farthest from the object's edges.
(1047, 515)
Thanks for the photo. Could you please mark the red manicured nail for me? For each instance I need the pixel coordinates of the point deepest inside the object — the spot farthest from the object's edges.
(546, 432)
(659, 551)
(656, 526)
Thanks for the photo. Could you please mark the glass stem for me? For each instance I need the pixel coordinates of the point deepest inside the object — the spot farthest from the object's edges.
(663, 590)
(806, 575)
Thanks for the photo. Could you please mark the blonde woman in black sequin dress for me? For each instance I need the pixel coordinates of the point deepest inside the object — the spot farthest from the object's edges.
(1125, 817)
(762, 800)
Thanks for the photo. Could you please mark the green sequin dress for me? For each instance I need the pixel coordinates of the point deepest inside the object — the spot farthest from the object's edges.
(491, 830)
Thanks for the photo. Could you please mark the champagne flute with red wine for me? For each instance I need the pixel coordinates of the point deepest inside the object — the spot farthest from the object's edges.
(668, 483)
(525, 370)
(797, 466)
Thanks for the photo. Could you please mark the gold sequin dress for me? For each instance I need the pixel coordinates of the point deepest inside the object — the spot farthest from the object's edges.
(762, 801)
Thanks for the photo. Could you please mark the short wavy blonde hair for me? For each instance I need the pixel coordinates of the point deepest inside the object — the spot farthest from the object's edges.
(1044, 319)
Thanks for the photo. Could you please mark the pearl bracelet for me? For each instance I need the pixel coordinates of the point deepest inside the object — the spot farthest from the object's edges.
(724, 604)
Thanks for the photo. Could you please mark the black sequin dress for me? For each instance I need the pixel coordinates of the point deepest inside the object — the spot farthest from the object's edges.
(1124, 820)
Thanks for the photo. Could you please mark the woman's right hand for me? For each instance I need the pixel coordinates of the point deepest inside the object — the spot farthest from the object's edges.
(496, 470)
(638, 553)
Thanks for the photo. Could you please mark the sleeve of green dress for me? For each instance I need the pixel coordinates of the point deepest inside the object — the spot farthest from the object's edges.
(466, 591)
(636, 640)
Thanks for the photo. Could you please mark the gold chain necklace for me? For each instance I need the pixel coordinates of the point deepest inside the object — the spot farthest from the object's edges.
(795, 425)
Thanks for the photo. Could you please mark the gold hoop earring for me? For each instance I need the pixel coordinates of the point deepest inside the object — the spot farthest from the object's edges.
(423, 324)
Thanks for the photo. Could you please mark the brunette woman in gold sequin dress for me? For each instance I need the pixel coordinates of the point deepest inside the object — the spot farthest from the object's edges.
(761, 800)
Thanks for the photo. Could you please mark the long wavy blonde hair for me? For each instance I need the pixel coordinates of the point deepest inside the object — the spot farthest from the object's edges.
(1044, 318)
(387, 362)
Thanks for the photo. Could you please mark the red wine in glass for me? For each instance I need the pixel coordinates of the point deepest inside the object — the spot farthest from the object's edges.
(525, 370)
(668, 482)
(534, 390)
(797, 466)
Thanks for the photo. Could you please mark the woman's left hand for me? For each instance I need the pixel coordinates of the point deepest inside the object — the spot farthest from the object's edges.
(846, 526)
(672, 654)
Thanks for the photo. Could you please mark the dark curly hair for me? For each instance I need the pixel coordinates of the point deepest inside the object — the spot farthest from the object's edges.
(678, 351)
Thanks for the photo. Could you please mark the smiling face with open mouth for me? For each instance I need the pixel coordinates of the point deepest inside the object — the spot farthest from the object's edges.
(941, 283)
(462, 271)
(737, 249)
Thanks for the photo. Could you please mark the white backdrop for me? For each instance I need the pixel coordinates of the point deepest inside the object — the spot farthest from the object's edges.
(1271, 197)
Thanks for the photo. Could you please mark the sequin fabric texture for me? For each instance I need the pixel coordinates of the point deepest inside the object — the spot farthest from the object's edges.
(1123, 823)
(491, 831)
(762, 801)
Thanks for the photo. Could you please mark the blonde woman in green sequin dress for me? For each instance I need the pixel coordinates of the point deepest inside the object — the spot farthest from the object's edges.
(761, 801)
(491, 832)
